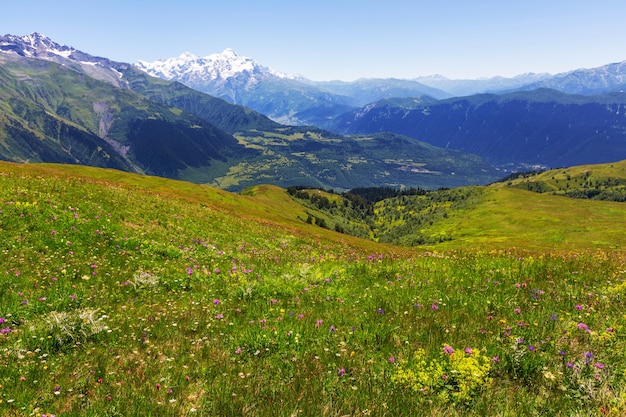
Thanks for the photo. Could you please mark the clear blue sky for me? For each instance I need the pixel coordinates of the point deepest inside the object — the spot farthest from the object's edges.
(342, 39)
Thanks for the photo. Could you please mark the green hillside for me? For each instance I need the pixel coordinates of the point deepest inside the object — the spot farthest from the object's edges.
(123, 294)
(52, 113)
(500, 216)
(597, 182)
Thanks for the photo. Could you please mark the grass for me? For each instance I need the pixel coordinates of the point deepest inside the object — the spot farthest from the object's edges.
(133, 295)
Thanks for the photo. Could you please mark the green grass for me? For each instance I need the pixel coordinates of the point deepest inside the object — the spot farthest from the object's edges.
(131, 295)
(599, 182)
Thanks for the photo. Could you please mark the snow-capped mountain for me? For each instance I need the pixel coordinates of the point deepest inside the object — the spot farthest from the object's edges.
(285, 98)
(600, 80)
(34, 45)
(39, 46)
(241, 80)
(218, 68)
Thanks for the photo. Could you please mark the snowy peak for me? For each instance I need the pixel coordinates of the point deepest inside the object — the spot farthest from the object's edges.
(38, 46)
(193, 70)
(34, 45)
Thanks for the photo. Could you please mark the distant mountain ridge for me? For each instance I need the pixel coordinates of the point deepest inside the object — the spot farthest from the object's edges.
(286, 99)
(59, 104)
(299, 101)
(517, 131)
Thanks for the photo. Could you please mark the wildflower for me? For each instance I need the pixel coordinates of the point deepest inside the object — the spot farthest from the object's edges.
(495, 359)
(5, 330)
(598, 365)
(158, 386)
(219, 316)
(189, 270)
(583, 326)
(380, 311)
(469, 350)
(341, 372)
(518, 310)
(2, 320)
(531, 348)
(332, 328)
(434, 307)
(448, 349)
(588, 357)
(238, 351)
(318, 323)
(392, 359)
(216, 302)
(578, 307)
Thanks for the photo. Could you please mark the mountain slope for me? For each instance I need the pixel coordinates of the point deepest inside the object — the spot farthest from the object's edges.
(519, 130)
(145, 124)
(596, 182)
(131, 132)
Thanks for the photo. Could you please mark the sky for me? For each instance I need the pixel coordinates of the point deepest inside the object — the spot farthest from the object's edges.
(342, 39)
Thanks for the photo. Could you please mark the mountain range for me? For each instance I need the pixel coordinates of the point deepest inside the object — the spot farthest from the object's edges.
(59, 104)
(516, 131)
(286, 99)
(531, 121)
(297, 100)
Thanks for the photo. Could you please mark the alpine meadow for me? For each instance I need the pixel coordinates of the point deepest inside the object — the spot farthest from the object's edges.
(131, 295)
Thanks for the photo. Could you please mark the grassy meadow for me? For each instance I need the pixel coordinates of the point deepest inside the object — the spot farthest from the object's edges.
(126, 295)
